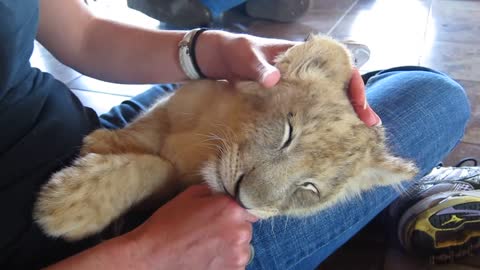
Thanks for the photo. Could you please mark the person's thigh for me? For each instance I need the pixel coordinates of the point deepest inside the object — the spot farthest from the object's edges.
(127, 111)
(424, 114)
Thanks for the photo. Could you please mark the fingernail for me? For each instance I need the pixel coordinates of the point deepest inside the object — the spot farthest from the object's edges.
(373, 119)
(269, 78)
(264, 76)
(378, 121)
(252, 254)
(365, 102)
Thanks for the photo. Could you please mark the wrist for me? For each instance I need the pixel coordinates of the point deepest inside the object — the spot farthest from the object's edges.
(145, 251)
(208, 54)
(116, 253)
(187, 54)
(134, 250)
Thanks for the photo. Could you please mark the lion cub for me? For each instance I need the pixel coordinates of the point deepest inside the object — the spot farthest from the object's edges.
(291, 150)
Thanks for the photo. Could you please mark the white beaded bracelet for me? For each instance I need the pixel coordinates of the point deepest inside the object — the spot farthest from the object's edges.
(186, 54)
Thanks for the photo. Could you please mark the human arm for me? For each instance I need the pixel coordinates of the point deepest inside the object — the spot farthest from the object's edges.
(356, 92)
(117, 52)
(196, 230)
(121, 53)
(101, 257)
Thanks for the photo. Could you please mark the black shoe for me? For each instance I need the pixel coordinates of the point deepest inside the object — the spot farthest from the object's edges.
(180, 13)
(277, 10)
(443, 219)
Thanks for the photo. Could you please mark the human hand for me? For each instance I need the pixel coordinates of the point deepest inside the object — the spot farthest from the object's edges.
(223, 55)
(195, 230)
(359, 102)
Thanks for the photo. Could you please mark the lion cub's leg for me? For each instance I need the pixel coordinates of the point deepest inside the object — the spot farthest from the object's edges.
(144, 135)
(84, 199)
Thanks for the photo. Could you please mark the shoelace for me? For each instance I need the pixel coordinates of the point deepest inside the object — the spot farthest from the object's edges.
(462, 162)
(465, 160)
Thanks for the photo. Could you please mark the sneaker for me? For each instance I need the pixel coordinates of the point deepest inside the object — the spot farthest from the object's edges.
(360, 52)
(442, 220)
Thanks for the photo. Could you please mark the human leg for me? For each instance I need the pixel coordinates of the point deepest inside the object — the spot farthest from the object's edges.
(120, 115)
(116, 137)
(425, 114)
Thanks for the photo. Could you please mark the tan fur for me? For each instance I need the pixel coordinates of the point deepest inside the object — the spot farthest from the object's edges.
(231, 137)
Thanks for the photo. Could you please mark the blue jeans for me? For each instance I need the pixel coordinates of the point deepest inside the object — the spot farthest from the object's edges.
(424, 113)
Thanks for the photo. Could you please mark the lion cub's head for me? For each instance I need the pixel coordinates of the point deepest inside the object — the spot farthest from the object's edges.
(304, 148)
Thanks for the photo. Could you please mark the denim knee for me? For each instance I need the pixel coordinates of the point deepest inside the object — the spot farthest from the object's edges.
(419, 84)
(423, 111)
(445, 90)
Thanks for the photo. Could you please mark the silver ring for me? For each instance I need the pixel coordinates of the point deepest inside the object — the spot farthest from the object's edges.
(252, 254)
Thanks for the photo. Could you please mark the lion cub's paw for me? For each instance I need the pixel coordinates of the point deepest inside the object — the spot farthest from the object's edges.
(73, 203)
(101, 141)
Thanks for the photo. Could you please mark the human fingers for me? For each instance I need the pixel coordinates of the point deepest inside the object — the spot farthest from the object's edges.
(272, 48)
(269, 52)
(242, 256)
(199, 190)
(359, 101)
(257, 55)
(232, 256)
(256, 68)
(237, 212)
(268, 75)
(241, 234)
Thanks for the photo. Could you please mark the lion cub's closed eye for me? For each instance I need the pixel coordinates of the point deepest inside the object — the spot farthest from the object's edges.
(291, 150)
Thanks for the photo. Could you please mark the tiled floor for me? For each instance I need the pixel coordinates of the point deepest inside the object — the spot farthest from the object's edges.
(442, 34)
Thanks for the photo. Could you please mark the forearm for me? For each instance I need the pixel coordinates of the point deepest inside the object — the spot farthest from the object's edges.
(126, 54)
(108, 50)
(117, 52)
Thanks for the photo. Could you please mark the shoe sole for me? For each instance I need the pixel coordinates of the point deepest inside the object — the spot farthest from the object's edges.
(445, 225)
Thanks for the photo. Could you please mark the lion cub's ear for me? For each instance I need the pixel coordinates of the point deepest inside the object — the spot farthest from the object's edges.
(383, 171)
(319, 57)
